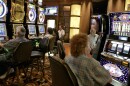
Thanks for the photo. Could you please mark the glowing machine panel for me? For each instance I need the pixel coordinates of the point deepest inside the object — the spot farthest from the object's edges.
(117, 71)
(51, 10)
(3, 31)
(50, 23)
(41, 15)
(31, 17)
(3, 10)
(32, 29)
(41, 29)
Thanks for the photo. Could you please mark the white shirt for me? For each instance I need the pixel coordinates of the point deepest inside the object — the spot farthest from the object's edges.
(61, 33)
(92, 40)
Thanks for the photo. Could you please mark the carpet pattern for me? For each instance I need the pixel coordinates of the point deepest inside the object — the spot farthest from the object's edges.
(36, 78)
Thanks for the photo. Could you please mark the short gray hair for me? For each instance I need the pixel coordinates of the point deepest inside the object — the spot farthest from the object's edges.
(21, 31)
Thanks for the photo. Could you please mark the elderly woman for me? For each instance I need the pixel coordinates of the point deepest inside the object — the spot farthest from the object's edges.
(87, 70)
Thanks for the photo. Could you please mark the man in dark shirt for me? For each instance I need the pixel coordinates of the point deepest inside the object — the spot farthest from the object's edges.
(9, 47)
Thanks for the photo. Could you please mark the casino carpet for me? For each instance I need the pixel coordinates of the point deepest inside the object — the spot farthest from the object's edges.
(35, 79)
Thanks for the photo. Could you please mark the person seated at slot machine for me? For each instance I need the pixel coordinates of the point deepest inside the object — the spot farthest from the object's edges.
(87, 70)
(49, 33)
(8, 48)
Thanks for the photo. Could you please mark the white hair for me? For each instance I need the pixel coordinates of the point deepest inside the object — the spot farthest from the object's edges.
(20, 30)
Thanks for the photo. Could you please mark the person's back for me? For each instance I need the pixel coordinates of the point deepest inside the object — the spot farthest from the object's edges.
(10, 46)
(20, 37)
(87, 70)
(50, 33)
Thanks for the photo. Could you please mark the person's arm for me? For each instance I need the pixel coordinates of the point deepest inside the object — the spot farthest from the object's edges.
(63, 33)
(99, 73)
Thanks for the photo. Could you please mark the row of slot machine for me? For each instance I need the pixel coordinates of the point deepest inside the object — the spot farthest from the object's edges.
(27, 13)
(115, 56)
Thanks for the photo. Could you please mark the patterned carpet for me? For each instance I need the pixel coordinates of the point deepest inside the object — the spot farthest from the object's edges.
(36, 78)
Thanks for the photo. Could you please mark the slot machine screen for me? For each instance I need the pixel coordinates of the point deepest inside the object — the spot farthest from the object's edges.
(32, 29)
(3, 29)
(31, 1)
(41, 15)
(114, 45)
(3, 10)
(50, 23)
(2, 38)
(126, 49)
(118, 23)
(119, 47)
(117, 71)
(41, 29)
(31, 13)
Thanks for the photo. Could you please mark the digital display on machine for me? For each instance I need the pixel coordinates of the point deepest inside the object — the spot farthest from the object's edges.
(51, 10)
(117, 71)
(126, 49)
(123, 38)
(113, 48)
(120, 23)
(119, 47)
(31, 1)
(31, 17)
(41, 29)
(3, 10)
(50, 23)
(41, 15)
(3, 29)
(32, 29)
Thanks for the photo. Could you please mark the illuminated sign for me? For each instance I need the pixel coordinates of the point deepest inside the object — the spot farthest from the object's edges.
(3, 9)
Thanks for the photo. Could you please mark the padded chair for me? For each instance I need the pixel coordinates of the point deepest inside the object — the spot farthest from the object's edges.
(61, 49)
(21, 57)
(39, 56)
(51, 45)
(61, 73)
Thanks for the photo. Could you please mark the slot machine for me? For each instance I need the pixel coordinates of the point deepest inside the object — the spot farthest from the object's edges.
(31, 19)
(3, 12)
(17, 15)
(40, 19)
(116, 53)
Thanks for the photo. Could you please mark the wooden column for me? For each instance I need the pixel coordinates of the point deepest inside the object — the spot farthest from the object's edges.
(85, 16)
(116, 6)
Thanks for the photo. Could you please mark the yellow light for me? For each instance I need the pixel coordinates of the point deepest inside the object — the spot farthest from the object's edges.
(73, 32)
(127, 5)
(75, 22)
(75, 9)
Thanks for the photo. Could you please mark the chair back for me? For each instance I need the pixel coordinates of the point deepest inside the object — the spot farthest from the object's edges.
(51, 43)
(43, 44)
(61, 73)
(23, 52)
(61, 49)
